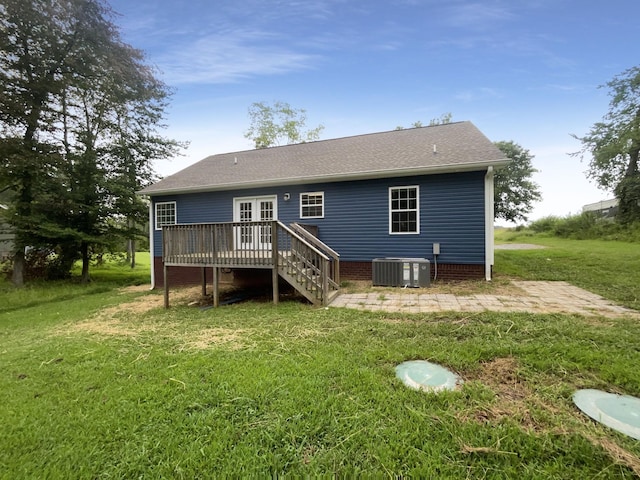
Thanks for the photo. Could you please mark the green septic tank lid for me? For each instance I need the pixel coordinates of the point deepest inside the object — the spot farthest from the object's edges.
(427, 376)
(620, 412)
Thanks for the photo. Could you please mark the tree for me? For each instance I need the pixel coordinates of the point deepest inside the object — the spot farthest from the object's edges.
(278, 124)
(68, 85)
(515, 192)
(614, 145)
(441, 120)
(35, 55)
(113, 120)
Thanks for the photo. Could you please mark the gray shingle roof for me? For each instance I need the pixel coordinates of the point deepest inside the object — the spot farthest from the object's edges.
(459, 146)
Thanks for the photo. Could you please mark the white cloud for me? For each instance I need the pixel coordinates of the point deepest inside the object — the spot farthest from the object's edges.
(477, 15)
(229, 57)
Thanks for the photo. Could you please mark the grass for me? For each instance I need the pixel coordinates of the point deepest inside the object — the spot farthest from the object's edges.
(100, 382)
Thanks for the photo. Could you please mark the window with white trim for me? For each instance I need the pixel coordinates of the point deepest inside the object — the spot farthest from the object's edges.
(165, 214)
(404, 211)
(312, 205)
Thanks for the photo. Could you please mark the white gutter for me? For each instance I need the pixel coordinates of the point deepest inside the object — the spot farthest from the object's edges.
(151, 232)
(488, 223)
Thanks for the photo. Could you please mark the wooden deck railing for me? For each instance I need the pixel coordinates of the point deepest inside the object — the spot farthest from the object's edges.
(232, 244)
(269, 244)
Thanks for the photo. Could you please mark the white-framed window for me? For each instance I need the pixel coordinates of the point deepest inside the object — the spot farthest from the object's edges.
(165, 214)
(312, 205)
(404, 210)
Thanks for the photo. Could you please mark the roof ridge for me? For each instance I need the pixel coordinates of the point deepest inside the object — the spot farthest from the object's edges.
(346, 137)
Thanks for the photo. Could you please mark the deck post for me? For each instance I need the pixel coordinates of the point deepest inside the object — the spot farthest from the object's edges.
(166, 287)
(216, 287)
(204, 281)
(274, 260)
(325, 282)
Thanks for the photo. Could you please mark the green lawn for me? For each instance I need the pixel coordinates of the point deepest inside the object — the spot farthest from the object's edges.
(98, 384)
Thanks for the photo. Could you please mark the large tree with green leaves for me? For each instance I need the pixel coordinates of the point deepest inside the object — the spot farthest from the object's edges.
(279, 124)
(613, 145)
(69, 84)
(514, 190)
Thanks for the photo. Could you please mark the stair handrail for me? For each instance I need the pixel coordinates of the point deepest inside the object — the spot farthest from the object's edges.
(303, 240)
(315, 241)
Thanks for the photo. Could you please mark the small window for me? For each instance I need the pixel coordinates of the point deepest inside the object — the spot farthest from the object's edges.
(312, 205)
(404, 214)
(165, 214)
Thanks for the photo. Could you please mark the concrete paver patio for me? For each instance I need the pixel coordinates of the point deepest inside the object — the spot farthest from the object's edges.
(537, 297)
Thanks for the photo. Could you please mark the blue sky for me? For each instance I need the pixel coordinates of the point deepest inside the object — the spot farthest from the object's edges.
(522, 71)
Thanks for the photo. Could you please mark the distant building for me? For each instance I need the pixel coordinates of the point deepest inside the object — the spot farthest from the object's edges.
(606, 208)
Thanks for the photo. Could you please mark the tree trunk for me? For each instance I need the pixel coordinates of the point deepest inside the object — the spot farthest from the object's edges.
(84, 249)
(132, 245)
(25, 198)
(17, 276)
(634, 154)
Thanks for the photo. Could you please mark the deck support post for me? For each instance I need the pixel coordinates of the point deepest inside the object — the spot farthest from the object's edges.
(166, 286)
(325, 282)
(216, 287)
(204, 281)
(274, 259)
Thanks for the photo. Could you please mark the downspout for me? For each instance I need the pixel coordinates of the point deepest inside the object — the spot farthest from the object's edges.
(151, 234)
(488, 223)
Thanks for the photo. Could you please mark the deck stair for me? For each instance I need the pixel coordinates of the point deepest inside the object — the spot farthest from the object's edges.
(291, 252)
(308, 265)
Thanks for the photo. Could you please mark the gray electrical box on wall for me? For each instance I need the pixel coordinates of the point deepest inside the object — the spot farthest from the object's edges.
(436, 249)
(401, 272)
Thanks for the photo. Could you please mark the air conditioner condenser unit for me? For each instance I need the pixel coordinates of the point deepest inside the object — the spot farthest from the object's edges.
(401, 272)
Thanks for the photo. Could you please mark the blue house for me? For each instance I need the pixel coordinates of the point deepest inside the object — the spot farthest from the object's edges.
(353, 199)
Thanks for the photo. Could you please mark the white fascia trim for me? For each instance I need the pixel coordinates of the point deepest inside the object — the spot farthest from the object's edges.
(151, 232)
(340, 177)
(488, 221)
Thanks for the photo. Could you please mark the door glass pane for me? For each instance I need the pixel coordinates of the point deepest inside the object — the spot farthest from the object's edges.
(266, 214)
(266, 210)
(246, 211)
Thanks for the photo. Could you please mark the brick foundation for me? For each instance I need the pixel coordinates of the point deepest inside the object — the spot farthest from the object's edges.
(452, 272)
(183, 276)
(446, 272)
(179, 276)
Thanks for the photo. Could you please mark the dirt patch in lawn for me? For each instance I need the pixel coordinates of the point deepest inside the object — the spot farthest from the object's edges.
(122, 320)
(181, 296)
(217, 337)
(501, 375)
(135, 289)
(619, 455)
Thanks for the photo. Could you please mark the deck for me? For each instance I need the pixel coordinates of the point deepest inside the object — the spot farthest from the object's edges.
(292, 253)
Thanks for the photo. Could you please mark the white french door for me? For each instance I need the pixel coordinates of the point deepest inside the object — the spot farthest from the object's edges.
(254, 209)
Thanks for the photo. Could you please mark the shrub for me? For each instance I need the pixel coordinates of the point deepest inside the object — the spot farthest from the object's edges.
(586, 226)
(545, 224)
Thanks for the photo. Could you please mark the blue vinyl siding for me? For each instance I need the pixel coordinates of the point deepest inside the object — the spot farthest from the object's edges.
(356, 216)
